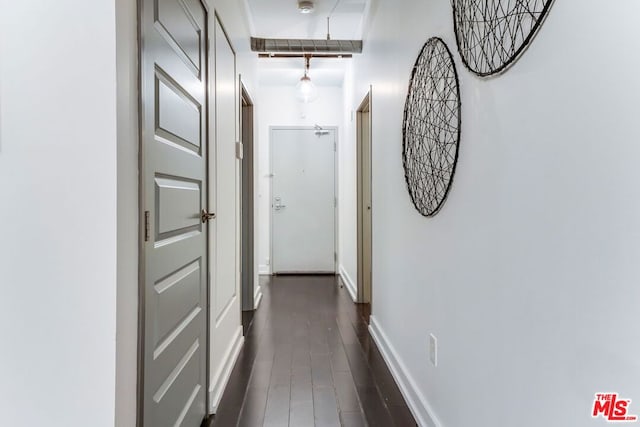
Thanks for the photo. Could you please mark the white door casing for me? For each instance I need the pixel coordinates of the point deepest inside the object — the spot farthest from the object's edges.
(364, 201)
(247, 207)
(174, 265)
(303, 202)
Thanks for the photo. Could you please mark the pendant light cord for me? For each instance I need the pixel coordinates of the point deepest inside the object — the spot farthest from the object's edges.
(307, 60)
(329, 19)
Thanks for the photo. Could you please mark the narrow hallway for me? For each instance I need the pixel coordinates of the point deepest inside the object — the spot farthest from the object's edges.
(308, 360)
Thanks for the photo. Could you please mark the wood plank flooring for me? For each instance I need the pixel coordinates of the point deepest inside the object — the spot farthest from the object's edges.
(308, 361)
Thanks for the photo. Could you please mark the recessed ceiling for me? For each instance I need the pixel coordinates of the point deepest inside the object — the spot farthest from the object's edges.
(281, 19)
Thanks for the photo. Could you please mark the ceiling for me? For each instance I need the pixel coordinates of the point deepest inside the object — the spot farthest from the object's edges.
(281, 19)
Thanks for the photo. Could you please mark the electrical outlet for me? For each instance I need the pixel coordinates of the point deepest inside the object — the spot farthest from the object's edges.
(433, 349)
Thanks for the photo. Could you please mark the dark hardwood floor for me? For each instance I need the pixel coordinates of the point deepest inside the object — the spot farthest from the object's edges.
(308, 360)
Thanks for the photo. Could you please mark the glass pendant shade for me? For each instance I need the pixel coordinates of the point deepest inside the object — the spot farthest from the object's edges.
(306, 91)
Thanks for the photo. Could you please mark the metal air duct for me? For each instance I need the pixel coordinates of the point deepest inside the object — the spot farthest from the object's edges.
(306, 46)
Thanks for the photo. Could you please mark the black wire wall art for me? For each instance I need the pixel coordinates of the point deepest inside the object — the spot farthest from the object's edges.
(492, 34)
(431, 127)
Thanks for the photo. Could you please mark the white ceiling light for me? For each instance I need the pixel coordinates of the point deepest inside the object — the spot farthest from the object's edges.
(305, 6)
(306, 91)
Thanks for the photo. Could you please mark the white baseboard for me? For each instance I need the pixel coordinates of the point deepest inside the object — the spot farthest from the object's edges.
(264, 270)
(220, 382)
(351, 287)
(257, 297)
(420, 408)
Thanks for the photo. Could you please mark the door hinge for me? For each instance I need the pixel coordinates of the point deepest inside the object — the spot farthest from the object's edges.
(335, 202)
(147, 226)
(239, 150)
(335, 257)
(335, 146)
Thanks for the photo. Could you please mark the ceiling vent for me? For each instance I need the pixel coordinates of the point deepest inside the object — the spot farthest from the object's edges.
(306, 46)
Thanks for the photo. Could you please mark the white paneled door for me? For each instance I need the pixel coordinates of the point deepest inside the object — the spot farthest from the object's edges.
(174, 221)
(303, 200)
(225, 328)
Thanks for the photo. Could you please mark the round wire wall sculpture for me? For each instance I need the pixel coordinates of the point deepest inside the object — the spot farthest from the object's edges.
(431, 127)
(492, 34)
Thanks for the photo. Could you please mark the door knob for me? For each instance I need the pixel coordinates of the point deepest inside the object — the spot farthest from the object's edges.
(206, 216)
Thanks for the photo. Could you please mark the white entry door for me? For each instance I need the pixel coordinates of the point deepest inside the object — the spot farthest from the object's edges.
(303, 200)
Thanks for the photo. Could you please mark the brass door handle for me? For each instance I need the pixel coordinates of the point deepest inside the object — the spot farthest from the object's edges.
(206, 216)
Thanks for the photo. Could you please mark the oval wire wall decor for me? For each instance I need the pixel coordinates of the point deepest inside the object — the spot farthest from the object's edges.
(492, 34)
(431, 127)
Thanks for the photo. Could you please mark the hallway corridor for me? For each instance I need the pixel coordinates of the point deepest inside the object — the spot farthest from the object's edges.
(308, 360)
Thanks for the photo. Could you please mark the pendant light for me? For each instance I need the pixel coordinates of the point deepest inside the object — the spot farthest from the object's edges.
(306, 91)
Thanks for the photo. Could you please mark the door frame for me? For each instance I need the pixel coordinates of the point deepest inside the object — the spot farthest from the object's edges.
(336, 188)
(210, 178)
(364, 294)
(247, 213)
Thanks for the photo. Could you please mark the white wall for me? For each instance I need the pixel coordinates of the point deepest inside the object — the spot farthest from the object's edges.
(58, 182)
(348, 196)
(529, 274)
(278, 106)
(128, 211)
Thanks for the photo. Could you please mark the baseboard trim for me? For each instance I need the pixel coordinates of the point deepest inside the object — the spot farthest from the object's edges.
(351, 287)
(264, 270)
(257, 297)
(220, 383)
(418, 404)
